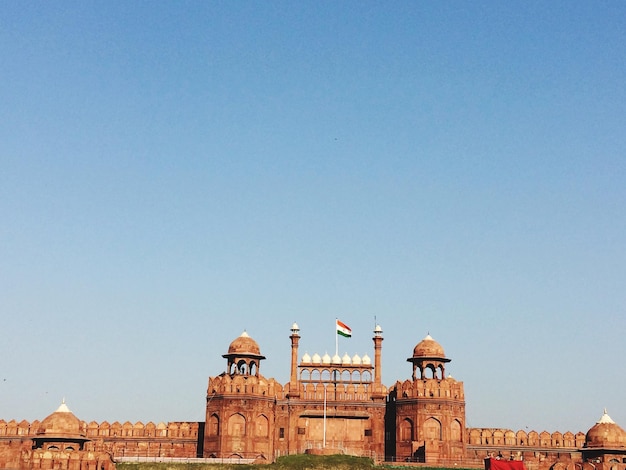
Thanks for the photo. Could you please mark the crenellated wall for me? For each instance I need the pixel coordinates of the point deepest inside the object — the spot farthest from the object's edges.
(238, 384)
(334, 404)
(506, 437)
(539, 451)
(173, 439)
(430, 388)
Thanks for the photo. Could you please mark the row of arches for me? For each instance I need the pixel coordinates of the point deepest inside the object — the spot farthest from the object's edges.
(433, 430)
(339, 392)
(145, 448)
(243, 367)
(105, 429)
(336, 375)
(507, 437)
(59, 460)
(237, 425)
(429, 370)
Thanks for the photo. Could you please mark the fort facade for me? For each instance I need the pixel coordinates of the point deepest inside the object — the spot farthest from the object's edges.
(332, 404)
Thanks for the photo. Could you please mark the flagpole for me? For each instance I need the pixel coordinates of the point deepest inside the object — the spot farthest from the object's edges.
(336, 339)
(324, 442)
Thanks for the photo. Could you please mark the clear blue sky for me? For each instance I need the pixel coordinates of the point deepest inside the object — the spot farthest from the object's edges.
(174, 173)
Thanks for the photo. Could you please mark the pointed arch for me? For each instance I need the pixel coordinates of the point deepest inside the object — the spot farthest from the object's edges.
(406, 430)
(237, 425)
(432, 429)
(262, 426)
(456, 434)
(214, 425)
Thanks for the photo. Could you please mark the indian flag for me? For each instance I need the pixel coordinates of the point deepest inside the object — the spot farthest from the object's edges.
(343, 329)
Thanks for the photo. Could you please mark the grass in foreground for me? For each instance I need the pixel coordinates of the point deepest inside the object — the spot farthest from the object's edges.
(289, 462)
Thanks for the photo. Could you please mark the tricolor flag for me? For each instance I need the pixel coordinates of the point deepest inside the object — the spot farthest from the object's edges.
(343, 329)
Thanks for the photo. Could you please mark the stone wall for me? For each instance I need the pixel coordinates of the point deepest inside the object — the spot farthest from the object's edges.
(173, 439)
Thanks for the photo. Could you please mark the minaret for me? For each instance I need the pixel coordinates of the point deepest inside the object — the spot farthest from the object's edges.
(294, 386)
(378, 347)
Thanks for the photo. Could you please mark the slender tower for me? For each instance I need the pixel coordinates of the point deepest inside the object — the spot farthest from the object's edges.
(294, 386)
(378, 368)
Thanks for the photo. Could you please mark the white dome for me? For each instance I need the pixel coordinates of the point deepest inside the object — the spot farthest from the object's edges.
(356, 359)
(306, 359)
(366, 359)
(336, 359)
(325, 359)
(316, 359)
(345, 360)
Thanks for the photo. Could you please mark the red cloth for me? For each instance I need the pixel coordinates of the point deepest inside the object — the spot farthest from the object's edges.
(495, 464)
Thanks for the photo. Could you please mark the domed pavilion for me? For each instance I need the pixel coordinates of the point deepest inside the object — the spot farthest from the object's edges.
(428, 355)
(244, 356)
(61, 430)
(605, 443)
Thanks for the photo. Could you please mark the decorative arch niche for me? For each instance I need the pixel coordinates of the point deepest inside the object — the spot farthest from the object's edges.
(406, 430)
(261, 424)
(237, 425)
(455, 431)
(432, 429)
(214, 425)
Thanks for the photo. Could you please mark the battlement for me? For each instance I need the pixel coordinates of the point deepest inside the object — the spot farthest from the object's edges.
(248, 385)
(430, 388)
(506, 437)
(25, 429)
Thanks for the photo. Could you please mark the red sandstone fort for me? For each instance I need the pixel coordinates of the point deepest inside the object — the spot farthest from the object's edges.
(330, 405)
